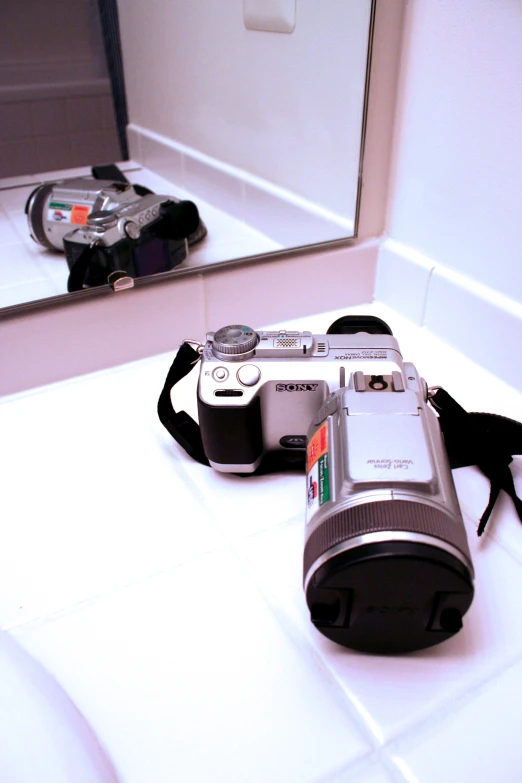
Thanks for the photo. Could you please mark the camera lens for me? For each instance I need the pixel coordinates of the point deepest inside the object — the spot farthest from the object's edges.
(387, 567)
(383, 593)
(34, 209)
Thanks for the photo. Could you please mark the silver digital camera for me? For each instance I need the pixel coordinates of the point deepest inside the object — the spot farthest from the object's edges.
(387, 566)
(105, 226)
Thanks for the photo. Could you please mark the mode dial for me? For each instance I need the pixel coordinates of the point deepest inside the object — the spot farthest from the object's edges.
(234, 341)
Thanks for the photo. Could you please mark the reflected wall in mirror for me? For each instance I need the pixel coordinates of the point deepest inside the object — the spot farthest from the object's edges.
(261, 129)
(55, 93)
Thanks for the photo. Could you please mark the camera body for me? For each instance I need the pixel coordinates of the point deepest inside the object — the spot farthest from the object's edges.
(259, 391)
(111, 227)
(387, 567)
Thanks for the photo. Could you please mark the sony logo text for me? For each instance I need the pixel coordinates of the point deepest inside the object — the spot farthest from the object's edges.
(299, 387)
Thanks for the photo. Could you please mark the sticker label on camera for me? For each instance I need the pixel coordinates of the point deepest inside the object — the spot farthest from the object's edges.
(387, 449)
(318, 471)
(61, 212)
(317, 446)
(79, 214)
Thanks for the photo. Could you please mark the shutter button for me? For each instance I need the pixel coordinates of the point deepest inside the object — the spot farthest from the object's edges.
(248, 375)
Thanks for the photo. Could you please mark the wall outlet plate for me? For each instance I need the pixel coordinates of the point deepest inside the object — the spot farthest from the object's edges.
(271, 16)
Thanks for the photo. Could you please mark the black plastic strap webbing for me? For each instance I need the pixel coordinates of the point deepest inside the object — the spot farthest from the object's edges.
(79, 270)
(186, 431)
(180, 425)
(483, 439)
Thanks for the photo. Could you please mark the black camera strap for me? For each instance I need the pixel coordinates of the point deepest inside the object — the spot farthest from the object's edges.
(181, 426)
(187, 432)
(79, 270)
(486, 440)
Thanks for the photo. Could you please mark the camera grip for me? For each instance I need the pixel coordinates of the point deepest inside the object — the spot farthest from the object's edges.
(232, 436)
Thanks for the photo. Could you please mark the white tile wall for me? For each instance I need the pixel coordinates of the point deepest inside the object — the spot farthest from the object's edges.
(481, 322)
(216, 187)
(485, 327)
(48, 117)
(402, 281)
(156, 157)
(18, 156)
(301, 284)
(56, 133)
(287, 219)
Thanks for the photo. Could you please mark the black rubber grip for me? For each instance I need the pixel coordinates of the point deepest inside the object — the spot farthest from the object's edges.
(231, 435)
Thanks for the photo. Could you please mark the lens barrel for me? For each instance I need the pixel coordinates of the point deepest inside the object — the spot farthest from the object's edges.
(387, 567)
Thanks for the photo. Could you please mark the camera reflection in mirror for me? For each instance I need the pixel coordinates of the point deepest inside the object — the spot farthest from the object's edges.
(30, 271)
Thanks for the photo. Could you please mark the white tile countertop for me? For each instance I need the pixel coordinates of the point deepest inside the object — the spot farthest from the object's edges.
(166, 600)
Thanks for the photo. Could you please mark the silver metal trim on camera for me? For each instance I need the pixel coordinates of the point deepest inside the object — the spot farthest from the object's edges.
(110, 228)
(236, 468)
(385, 537)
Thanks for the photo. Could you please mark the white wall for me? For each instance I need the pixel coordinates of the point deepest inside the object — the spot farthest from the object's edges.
(55, 96)
(454, 258)
(458, 185)
(50, 41)
(285, 107)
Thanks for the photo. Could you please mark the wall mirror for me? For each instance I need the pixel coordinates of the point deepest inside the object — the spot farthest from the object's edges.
(252, 109)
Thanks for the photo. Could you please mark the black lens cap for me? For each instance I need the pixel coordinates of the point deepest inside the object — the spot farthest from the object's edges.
(389, 598)
(351, 324)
